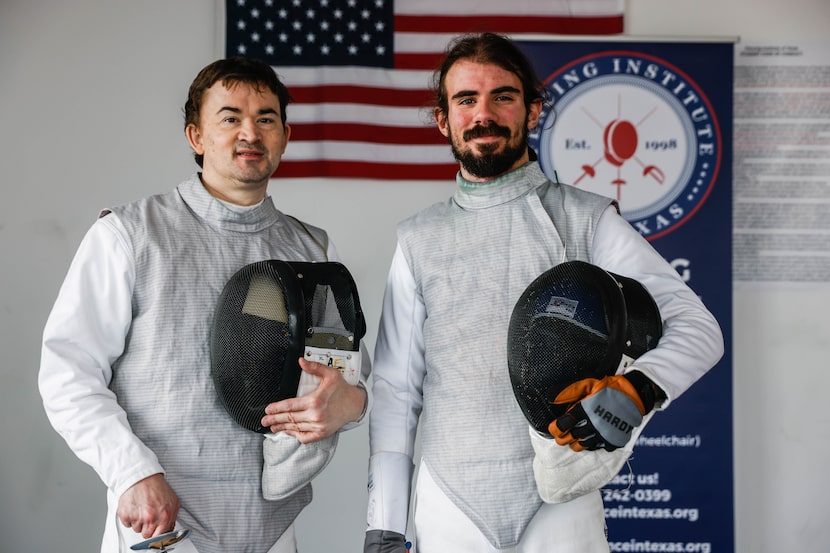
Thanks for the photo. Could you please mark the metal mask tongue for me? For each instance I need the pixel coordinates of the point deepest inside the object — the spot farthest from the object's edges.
(265, 299)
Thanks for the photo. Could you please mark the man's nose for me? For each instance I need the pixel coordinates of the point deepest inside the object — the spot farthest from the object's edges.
(248, 131)
(484, 114)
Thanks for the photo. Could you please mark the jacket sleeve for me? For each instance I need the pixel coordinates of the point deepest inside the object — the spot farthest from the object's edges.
(398, 376)
(692, 341)
(84, 334)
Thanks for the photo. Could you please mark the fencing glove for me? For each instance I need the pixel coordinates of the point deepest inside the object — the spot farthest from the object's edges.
(602, 413)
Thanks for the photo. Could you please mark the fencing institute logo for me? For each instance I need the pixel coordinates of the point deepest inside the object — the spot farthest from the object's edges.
(635, 128)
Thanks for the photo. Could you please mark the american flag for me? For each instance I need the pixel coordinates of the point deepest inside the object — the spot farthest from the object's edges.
(359, 72)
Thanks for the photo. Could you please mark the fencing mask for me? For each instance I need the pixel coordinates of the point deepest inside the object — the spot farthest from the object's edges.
(575, 321)
(270, 314)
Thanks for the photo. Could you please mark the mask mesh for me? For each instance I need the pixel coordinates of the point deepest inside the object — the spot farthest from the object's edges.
(250, 342)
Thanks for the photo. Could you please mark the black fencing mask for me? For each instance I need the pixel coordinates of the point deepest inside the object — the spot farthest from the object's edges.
(270, 314)
(575, 321)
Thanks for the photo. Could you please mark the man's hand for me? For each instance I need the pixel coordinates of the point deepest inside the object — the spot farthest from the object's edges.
(149, 506)
(602, 413)
(320, 413)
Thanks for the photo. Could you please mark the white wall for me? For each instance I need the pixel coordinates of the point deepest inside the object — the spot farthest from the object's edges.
(90, 115)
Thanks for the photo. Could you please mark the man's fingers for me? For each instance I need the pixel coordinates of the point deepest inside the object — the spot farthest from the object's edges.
(567, 422)
(149, 507)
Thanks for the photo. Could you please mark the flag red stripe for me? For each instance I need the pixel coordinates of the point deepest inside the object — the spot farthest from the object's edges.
(358, 132)
(566, 25)
(427, 61)
(363, 169)
(353, 94)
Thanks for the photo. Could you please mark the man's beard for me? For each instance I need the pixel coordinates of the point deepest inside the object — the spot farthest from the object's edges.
(489, 164)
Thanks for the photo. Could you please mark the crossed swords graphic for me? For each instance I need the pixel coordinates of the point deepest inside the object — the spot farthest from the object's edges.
(619, 139)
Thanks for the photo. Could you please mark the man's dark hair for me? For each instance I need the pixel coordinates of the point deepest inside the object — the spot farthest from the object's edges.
(231, 72)
(493, 49)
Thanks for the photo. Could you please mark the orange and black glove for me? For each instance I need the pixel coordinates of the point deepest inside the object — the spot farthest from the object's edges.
(602, 412)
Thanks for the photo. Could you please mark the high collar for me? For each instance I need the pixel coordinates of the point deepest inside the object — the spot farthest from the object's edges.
(196, 196)
(502, 189)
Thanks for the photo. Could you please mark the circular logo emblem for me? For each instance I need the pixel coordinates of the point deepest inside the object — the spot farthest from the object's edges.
(634, 128)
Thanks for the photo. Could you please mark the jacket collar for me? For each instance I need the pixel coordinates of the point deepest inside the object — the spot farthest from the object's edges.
(502, 189)
(217, 214)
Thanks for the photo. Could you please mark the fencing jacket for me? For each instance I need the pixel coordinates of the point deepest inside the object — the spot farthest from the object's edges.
(458, 271)
(125, 370)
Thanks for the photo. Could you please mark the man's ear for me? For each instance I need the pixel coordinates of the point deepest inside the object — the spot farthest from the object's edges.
(287, 131)
(194, 137)
(440, 117)
(534, 112)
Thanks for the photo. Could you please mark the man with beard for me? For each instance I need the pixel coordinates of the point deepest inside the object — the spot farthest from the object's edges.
(457, 272)
(125, 367)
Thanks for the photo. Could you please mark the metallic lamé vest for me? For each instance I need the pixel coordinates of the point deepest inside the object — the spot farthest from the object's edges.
(472, 257)
(186, 246)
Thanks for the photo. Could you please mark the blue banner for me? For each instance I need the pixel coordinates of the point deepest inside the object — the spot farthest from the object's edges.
(650, 124)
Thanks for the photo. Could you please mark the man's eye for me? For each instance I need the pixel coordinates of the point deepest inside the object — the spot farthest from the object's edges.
(230, 120)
